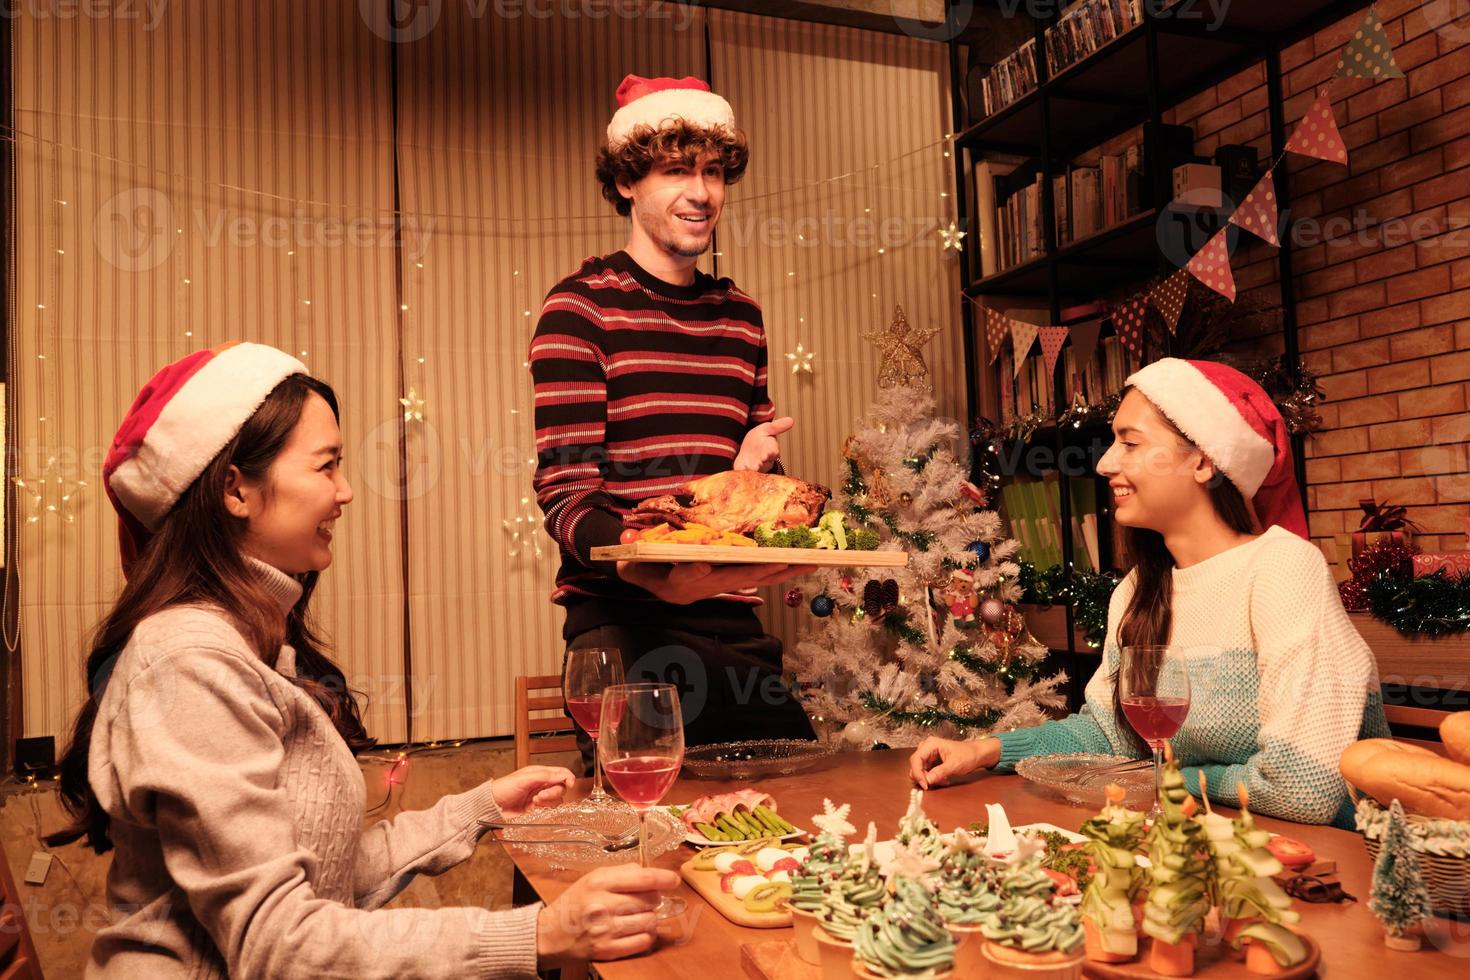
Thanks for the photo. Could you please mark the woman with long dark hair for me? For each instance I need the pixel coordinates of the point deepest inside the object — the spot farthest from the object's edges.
(1222, 571)
(214, 754)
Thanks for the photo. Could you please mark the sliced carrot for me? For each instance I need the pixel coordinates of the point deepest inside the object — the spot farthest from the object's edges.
(1095, 950)
(1172, 959)
(1260, 960)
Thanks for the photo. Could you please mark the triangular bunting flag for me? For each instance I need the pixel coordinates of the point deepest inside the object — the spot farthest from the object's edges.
(996, 328)
(1257, 214)
(1052, 339)
(1211, 266)
(1084, 342)
(1368, 53)
(1023, 335)
(1317, 136)
(1168, 298)
(1128, 323)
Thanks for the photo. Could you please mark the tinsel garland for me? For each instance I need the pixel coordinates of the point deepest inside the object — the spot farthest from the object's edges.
(1434, 605)
(928, 717)
(1088, 595)
(1010, 670)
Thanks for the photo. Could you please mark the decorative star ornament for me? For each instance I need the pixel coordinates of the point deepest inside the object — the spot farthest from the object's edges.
(413, 406)
(952, 238)
(800, 360)
(900, 360)
(832, 821)
(50, 495)
(522, 531)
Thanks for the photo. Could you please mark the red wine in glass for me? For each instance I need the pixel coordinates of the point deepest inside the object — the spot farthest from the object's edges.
(642, 745)
(586, 675)
(1153, 688)
(643, 780)
(1155, 719)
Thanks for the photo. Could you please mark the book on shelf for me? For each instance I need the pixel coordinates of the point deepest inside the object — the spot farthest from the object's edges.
(987, 172)
(1087, 26)
(1033, 508)
(1011, 77)
(1018, 224)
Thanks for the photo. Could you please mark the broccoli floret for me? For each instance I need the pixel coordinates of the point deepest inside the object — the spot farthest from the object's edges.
(862, 539)
(790, 537)
(831, 523)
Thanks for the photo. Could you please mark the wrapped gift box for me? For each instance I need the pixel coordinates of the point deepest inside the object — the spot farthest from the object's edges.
(1456, 564)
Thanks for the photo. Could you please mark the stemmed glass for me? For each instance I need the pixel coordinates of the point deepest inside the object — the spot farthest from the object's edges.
(1153, 687)
(642, 746)
(587, 674)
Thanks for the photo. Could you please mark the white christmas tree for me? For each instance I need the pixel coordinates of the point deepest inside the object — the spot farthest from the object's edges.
(936, 648)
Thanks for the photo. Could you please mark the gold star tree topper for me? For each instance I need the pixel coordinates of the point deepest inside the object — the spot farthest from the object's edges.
(900, 360)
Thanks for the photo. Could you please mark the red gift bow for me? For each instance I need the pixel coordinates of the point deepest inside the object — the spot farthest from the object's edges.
(1385, 517)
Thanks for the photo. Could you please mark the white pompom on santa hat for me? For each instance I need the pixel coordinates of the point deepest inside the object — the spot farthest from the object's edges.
(660, 102)
(1234, 422)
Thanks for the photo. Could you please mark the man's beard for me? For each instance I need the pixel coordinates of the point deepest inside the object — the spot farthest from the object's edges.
(653, 226)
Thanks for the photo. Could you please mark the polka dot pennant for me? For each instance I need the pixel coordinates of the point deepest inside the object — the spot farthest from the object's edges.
(1168, 298)
(996, 328)
(1052, 339)
(1128, 324)
(1368, 53)
(1023, 335)
(1257, 214)
(1317, 136)
(1211, 266)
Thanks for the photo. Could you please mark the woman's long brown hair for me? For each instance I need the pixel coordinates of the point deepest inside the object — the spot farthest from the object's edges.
(195, 559)
(1149, 618)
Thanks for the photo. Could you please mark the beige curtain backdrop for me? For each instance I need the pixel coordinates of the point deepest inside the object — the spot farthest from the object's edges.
(228, 173)
(130, 253)
(819, 101)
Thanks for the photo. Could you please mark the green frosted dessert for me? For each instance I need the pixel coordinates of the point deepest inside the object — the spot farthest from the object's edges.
(1029, 917)
(856, 893)
(917, 832)
(825, 860)
(907, 937)
(966, 892)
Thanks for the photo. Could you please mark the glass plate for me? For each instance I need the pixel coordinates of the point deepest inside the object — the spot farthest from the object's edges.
(754, 759)
(1059, 774)
(664, 834)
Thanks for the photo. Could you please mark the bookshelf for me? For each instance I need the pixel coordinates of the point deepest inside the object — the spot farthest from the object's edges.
(1127, 82)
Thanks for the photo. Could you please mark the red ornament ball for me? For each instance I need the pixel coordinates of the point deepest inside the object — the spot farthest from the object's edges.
(793, 597)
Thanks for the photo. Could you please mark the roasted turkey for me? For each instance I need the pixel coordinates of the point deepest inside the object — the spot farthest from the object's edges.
(736, 500)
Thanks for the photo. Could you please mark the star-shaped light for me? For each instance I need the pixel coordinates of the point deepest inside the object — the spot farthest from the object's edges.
(800, 360)
(900, 361)
(908, 863)
(50, 495)
(413, 406)
(522, 531)
(832, 821)
(952, 238)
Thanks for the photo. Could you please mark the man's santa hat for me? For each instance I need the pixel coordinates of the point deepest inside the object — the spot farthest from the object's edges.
(1234, 422)
(661, 102)
(177, 425)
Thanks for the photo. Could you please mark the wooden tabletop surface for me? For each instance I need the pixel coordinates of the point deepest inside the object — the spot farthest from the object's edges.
(705, 945)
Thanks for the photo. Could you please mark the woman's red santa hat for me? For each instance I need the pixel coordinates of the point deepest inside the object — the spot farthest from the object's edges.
(660, 102)
(1234, 422)
(177, 425)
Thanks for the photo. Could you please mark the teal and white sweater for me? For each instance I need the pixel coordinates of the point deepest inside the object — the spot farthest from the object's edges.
(1281, 682)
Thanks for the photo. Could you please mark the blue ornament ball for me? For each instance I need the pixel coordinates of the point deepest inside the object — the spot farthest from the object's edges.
(981, 551)
(822, 606)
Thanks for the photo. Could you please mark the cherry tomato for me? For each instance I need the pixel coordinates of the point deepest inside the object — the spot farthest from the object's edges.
(1291, 852)
(630, 536)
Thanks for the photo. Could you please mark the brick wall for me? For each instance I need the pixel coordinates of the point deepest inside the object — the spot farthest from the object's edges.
(1382, 263)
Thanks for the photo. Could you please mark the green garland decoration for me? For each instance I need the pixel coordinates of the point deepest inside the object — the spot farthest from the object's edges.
(898, 624)
(1434, 605)
(855, 487)
(1015, 670)
(1089, 595)
(929, 717)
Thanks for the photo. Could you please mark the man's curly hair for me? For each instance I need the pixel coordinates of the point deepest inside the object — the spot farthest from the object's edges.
(647, 147)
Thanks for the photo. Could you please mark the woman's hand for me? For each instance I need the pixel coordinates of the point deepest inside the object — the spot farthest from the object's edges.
(683, 584)
(606, 914)
(938, 760)
(525, 789)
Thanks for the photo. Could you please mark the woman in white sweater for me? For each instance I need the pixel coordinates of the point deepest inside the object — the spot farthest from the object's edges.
(1201, 463)
(215, 753)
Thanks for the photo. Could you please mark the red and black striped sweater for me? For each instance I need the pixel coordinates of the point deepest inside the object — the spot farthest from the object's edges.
(641, 385)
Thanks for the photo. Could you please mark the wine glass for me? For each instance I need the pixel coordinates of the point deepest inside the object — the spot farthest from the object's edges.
(642, 746)
(585, 676)
(1153, 687)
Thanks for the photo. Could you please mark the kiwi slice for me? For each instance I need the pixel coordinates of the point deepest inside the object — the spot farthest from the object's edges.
(705, 859)
(763, 898)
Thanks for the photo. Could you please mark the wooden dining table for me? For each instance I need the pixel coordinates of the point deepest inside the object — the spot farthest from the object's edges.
(703, 944)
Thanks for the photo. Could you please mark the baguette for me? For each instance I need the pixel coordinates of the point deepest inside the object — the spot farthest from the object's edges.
(1454, 731)
(1424, 782)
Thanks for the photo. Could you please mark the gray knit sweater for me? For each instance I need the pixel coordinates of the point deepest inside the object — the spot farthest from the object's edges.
(237, 815)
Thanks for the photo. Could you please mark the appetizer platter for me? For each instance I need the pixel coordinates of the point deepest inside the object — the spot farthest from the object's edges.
(747, 518)
(731, 818)
(747, 883)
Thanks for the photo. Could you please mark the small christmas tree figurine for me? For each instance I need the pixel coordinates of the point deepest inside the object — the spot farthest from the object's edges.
(1398, 897)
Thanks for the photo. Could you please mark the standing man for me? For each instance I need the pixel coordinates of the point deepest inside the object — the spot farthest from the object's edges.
(649, 373)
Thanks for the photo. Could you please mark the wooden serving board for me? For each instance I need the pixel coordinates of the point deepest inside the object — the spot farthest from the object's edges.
(1212, 961)
(681, 554)
(707, 883)
(776, 959)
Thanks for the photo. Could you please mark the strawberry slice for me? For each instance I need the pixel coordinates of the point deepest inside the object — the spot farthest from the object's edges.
(743, 868)
(786, 864)
(727, 878)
